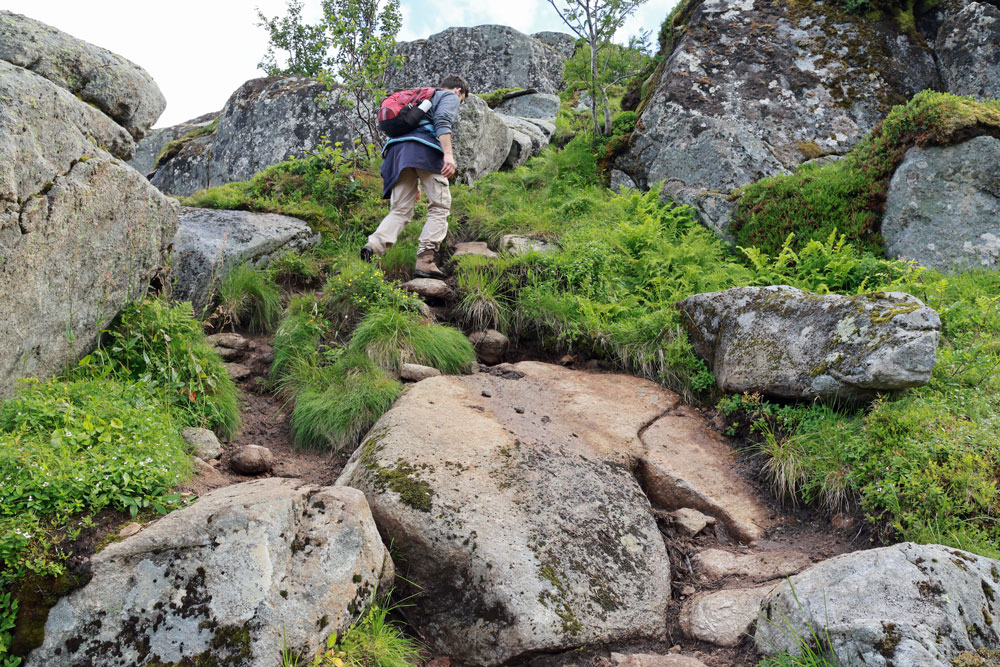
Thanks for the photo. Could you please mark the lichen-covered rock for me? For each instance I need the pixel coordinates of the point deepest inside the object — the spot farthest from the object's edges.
(943, 206)
(81, 234)
(118, 87)
(480, 141)
(907, 604)
(560, 41)
(209, 242)
(535, 105)
(517, 511)
(537, 136)
(489, 57)
(231, 580)
(187, 171)
(520, 150)
(784, 342)
(725, 111)
(968, 49)
(148, 149)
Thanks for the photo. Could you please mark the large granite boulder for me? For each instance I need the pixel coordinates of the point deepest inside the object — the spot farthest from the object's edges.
(726, 111)
(534, 105)
(562, 42)
(116, 86)
(968, 49)
(784, 342)
(512, 497)
(150, 148)
(244, 572)
(480, 140)
(907, 604)
(943, 206)
(81, 233)
(529, 139)
(264, 122)
(489, 57)
(209, 242)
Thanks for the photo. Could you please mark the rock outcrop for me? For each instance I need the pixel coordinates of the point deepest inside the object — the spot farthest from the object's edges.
(480, 139)
(535, 105)
(264, 122)
(234, 578)
(923, 604)
(81, 233)
(784, 342)
(149, 149)
(489, 57)
(943, 206)
(754, 88)
(510, 493)
(117, 87)
(968, 49)
(209, 242)
(562, 42)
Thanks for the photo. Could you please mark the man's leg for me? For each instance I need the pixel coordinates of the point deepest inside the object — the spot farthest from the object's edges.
(404, 196)
(435, 186)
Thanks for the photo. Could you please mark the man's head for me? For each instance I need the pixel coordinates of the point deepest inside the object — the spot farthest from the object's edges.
(456, 84)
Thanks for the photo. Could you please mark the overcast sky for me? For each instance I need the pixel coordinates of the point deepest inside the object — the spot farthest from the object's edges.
(200, 51)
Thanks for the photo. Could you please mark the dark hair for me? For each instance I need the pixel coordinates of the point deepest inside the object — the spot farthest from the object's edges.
(455, 81)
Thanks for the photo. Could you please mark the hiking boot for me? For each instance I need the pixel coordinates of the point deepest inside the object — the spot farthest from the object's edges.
(425, 267)
(367, 253)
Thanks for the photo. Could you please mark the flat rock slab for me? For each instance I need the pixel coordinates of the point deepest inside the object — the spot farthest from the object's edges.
(715, 564)
(784, 342)
(722, 617)
(230, 580)
(687, 464)
(210, 242)
(514, 504)
(430, 288)
(519, 245)
(534, 105)
(907, 604)
(474, 248)
(943, 206)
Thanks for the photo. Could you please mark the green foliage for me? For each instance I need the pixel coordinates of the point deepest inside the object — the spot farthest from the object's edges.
(921, 466)
(494, 98)
(483, 305)
(294, 269)
(299, 335)
(73, 448)
(393, 337)
(337, 403)
(316, 187)
(371, 641)
(163, 347)
(8, 614)
(846, 196)
(305, 45)
(623, 123)
(248, 296)
(357, 288)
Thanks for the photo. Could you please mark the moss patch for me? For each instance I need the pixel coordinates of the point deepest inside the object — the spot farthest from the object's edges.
(172, 148)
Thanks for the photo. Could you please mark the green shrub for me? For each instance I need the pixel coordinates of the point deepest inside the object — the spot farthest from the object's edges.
(71, 448)
(357, 288)
(248, 296)
(163, 347)
(293, 269)
(8, 614)
(392, 337)
(845, 197)
(336, 404)
(623, 123)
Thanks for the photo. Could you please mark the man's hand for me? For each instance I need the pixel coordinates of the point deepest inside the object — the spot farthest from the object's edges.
(448, 170)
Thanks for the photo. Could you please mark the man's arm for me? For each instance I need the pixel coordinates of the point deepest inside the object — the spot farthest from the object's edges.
(448, 170)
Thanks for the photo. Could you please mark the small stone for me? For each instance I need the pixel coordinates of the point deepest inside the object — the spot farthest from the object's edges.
(474, 248)
(690, 522)
(842, 522)
(252, 460)
(568, 359)
(519, 410)
(232, 341)
(204, 442)
(490, 345)
(722, 617)
(416, 372)
(430, 288)
(516, 244)
(487, 394)
(130, 530)
(238, 371)
(688, 590)
(227, 353)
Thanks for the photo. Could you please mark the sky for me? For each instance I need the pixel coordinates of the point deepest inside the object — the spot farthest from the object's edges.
(200, 51)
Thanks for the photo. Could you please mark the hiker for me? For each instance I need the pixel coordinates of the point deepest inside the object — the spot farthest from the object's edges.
(425, 155)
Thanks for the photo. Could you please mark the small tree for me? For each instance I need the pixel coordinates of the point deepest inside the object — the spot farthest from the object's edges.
(352, 47)
(616, 64)
(596, 22)
(306, 45)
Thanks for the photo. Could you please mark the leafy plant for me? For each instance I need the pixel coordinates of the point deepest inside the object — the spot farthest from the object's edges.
(163, 347)
(305, 45)
(8, 614)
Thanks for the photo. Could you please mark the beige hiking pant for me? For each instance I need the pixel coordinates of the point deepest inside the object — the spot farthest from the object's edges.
(404, 197)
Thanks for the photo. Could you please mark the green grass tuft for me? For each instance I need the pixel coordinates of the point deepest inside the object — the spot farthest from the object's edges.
(248, 296)
(392, 337)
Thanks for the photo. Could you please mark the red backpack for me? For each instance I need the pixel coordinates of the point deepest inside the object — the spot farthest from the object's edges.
(403, 111)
